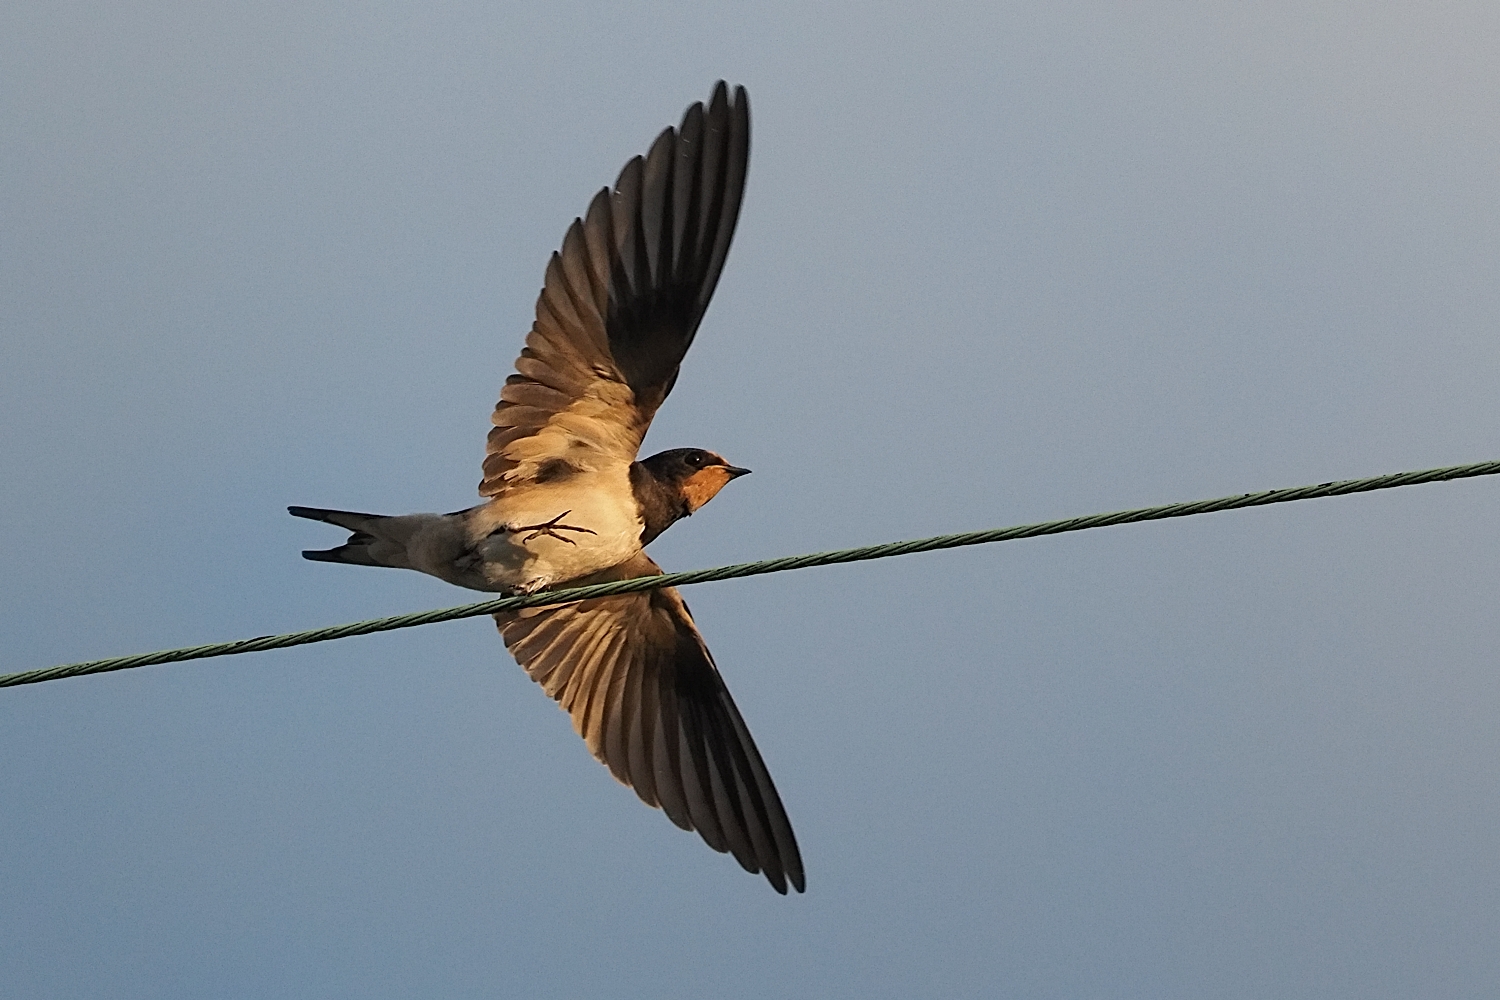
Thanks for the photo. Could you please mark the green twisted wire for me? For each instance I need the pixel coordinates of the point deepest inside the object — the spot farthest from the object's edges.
(1333, 489)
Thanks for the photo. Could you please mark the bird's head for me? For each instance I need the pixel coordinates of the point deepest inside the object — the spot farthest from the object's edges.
(696, 475)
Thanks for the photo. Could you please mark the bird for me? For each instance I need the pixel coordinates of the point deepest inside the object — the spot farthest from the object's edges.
(567, 502)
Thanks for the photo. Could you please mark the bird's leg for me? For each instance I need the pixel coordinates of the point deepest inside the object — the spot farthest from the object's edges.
(549, 528)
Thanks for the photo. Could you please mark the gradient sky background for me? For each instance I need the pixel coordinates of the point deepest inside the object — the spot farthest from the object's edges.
(997, 263)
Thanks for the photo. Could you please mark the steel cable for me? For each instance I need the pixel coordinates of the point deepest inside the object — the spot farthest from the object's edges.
(265, 642)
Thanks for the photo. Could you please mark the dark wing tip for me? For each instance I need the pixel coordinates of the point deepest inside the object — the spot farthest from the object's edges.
(632, 168)
(675, 212)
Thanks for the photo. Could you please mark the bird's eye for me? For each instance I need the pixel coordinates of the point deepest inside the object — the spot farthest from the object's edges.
(695, 459)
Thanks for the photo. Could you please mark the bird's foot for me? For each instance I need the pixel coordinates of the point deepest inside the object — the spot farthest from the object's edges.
(550, 529)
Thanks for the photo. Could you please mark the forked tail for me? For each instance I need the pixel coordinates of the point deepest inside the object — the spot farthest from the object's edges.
(357, 550)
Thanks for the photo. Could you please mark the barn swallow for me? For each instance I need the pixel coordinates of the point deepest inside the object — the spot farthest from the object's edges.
(568, 503)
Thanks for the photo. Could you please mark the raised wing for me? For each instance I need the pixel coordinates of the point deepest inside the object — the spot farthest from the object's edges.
(622, 301)
(645, 695)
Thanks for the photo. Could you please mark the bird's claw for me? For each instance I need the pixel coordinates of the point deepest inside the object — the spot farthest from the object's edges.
(550, 529)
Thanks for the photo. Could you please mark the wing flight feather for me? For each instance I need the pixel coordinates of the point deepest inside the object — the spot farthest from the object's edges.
(622, 301)
(644, 693)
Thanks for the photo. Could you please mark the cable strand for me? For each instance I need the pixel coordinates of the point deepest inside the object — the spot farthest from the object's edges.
(741, 570)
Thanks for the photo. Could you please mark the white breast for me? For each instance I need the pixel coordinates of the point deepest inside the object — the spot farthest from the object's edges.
(599, 501)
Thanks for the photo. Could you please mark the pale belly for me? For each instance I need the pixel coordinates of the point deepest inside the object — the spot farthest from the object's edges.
(601, 502)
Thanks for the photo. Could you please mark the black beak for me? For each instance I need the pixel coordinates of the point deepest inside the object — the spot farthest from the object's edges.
(735, 471)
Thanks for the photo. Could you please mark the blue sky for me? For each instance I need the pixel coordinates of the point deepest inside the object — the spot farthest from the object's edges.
(996, 263)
